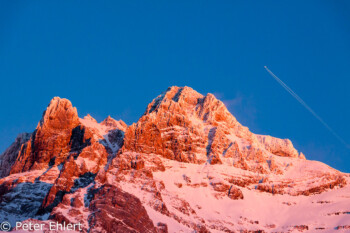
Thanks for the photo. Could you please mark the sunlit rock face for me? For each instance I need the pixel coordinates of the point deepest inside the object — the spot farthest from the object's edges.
(50, 140)
(183, 125)
(186, 165)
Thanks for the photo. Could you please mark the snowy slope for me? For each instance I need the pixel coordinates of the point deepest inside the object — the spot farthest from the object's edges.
(187, 165)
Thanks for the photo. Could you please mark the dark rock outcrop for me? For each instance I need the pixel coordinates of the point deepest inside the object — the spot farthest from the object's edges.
(118, 211)
(8, 158)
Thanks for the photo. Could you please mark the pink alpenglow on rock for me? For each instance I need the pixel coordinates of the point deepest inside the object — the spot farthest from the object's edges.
(187, 165)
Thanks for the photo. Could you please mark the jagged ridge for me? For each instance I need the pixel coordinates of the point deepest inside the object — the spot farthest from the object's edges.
(184, 143)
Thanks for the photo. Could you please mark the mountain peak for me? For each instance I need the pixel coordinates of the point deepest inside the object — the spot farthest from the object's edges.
(176, 92)
(57, 102)
(59, 114)
(204, 130)
(186, 144)
(110, 122)
(90, 118)
(183, 95)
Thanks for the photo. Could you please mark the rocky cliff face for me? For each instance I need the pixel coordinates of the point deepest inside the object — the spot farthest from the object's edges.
(50, 140)
(186, 126)
(8, 158)
(186, 165)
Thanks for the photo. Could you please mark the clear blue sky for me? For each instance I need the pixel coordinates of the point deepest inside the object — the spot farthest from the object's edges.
(114, 57)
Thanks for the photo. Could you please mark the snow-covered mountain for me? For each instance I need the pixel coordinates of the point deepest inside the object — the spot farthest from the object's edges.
(187, 165)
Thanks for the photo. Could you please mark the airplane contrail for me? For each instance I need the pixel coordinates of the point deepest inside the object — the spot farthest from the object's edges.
(302, 102)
